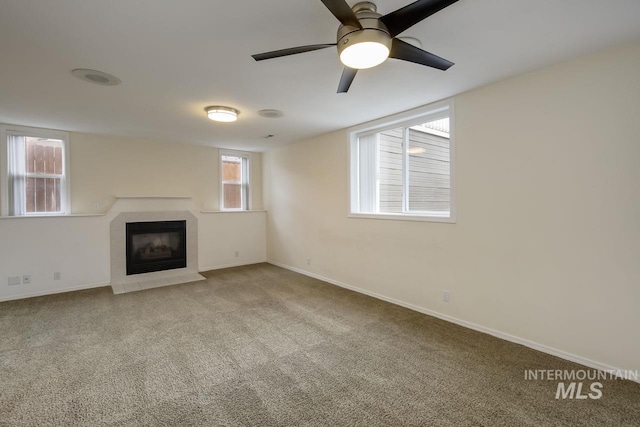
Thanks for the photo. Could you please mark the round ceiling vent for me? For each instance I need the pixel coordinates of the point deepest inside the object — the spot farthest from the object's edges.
(97, 77)
(271, 114)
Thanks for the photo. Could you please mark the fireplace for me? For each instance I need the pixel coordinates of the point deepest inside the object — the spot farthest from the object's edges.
(155, 246)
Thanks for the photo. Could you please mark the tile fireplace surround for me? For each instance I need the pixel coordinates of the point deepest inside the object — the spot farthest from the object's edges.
(120, 282)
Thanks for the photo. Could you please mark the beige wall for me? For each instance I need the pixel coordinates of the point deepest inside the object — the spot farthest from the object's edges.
(546, 247)
(78, 247)
(103, 167)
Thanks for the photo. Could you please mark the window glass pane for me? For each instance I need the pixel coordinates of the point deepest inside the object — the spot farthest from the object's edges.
(429, 171)
(43, 156)
(35, 175)
(232, 195)
(231, 168)
(43, 195)
(367, 156)
(235, 181)
(404, 169)
(390, 171)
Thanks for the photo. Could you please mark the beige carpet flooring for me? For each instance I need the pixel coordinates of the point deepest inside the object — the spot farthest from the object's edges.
(263, 346)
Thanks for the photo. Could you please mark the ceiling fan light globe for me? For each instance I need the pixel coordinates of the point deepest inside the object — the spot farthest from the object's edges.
(364, 55)
(366, 48)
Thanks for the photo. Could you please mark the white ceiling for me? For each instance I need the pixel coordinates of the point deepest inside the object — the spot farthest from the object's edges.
(176, 57)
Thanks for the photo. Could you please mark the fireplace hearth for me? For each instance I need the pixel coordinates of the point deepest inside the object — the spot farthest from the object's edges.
(155, 246)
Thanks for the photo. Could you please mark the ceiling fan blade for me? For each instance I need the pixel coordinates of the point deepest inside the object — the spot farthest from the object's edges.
(406, 52)
(347, 78)
(403, 18)
(343, 12)
(290, 51)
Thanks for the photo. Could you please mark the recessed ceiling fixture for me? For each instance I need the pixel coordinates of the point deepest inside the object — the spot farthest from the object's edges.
(367, 38)
(271, 114)
(95, 76)
(219, 113)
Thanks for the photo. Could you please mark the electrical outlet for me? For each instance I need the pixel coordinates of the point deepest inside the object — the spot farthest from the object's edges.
(446, 295)
(57, 275)
(26, 279)
(308, 261)
(14, 280)
(237, 254)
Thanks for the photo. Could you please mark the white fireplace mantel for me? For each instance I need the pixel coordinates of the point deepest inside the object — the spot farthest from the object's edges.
(128, 209)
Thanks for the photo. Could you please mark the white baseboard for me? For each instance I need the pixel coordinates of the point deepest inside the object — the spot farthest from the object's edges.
(502, 335)
(99, 285)
(234, 264)
(54, 291)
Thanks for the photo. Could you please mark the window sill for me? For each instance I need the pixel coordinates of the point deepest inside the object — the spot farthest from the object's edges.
(231, 211)
(153, 197)
(422, 218)
(50, 216)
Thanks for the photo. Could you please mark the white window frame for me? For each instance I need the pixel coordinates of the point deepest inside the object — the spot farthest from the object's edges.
(65, 197)
(246, 177)
(405, 119)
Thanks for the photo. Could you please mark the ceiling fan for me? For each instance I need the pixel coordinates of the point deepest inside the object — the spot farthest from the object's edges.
(366, 38)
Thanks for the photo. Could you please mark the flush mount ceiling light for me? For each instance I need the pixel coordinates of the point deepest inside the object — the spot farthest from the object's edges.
(95, 76)
(222, 114)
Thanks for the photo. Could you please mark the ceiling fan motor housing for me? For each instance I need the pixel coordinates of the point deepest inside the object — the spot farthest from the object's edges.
(373, 30)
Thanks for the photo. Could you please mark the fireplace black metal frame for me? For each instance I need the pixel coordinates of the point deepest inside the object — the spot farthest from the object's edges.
(179, 261)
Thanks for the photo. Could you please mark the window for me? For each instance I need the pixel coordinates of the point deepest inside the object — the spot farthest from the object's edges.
(35, 179)
(235, 181)
(401, 167)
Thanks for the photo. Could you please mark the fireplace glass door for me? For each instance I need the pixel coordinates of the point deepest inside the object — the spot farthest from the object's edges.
(156, 246)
